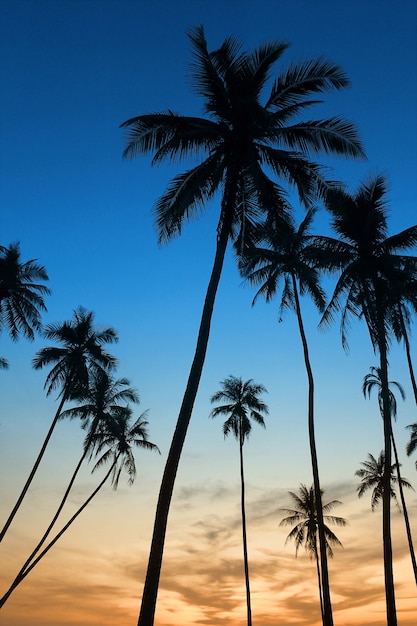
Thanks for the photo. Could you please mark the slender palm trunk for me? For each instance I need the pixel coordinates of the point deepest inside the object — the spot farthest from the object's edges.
(386, 494)
(150, 591)
(316, 556)
(34, 468)
(19, 579)
(245, 544)
(327, 606)
(408, 354)
(21, 574)
(405, 511)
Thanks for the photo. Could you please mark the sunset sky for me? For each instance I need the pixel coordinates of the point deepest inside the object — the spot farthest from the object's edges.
(71, 71)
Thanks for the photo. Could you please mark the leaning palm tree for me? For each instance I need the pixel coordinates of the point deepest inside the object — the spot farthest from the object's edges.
(371, 381)
(104, 401)
(304, 518)
(21, 298)
(412, 444)
(285, 254)
(401, 323)
(375, 277)
(115, 436)
(81, 352)
(242, 405)
(241, 134)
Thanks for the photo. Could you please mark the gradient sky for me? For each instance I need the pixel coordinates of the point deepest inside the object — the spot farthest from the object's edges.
(71, 71)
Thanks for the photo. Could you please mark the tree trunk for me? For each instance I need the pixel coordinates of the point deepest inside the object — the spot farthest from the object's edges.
(316, 556)
(405, 511)
(327, 606)
(386, 494)
(19, 579)
(34, 468)
(245, 544)
(408, 354)
(150, 592)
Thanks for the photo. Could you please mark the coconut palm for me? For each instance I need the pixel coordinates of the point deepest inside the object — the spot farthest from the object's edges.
(21, 298)
(81, 352)
(241, 134)
(115, 435)
(372, 477)
(103, 402)
(304, 518)
(375, 277)
(285, 254)
(412, 444)
(371, 381)
(242, 405)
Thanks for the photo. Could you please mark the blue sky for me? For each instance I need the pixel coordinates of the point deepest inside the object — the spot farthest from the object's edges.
(71, 72)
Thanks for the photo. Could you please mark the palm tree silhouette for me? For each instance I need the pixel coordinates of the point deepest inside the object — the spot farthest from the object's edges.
(412, 444)
(304, 518)
(82, 352)
(101, 404)
(285, 253)
(243, 404)
(240, 135)
(372, 477)
(371, 380)
(21, 298)
(115, 435)
(373, 280)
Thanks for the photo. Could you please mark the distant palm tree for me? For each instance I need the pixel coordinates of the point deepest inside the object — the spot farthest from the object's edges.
(81, 353)
(369, 382)
(115, 436)
(242, 405)
(412, 444)
(239, 138)
(376, 275)
(305, 532)
(372, 477)
(285, 253)
(101, 404)
(21, 298)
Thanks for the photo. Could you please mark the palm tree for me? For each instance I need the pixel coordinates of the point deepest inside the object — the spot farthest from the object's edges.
(115, 436)
(21, 298)
(374, 279)
(401, 322)
(81, 352)
(239, 136)
(305, 520)
(101, 404)
(285, 253)
(242, 405)
(372, 380)
(372, 477)
(412, 444)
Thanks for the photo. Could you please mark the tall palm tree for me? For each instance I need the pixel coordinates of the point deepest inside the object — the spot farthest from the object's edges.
(304, 518)
(285, 253)
(81, 352)
(21, 298)
(371, 381)
(115, 436)
(375, 277)
(242, 405)
(103, 403)
(401, 322)
(242, 133)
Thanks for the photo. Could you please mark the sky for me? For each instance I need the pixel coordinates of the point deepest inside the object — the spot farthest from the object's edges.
(71, 71)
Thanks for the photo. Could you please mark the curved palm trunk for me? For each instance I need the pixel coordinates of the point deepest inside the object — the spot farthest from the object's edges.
(23, 575)
(405, 511)
(34, 469)
(386, 494)
(327, 606)
(150, 591)
(408, 354)
(319, 580)
(245, 544)
(20, 576)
